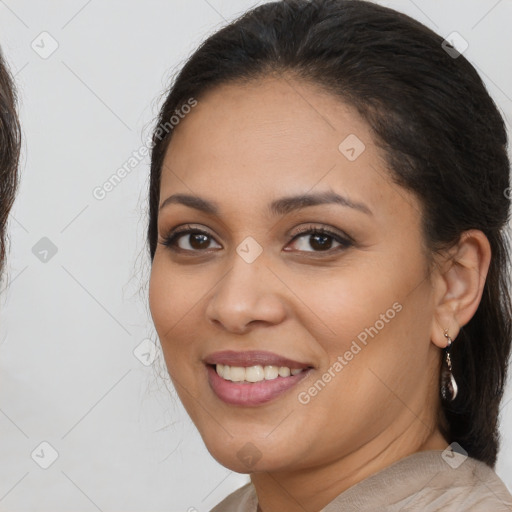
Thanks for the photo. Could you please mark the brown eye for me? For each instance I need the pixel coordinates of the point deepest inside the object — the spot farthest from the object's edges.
(320, 240)
(312, 240)
(197, 241)
(190, 239)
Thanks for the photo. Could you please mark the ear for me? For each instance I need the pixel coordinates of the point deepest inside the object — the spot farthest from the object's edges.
(458, 282)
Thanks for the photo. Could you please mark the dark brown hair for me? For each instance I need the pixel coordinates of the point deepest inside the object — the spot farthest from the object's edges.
(10, 136)
(442, 134)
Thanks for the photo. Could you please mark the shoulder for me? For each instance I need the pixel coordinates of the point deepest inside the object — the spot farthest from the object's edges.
(242, 500)
(428, 481)
(472, 486)
(483, 489)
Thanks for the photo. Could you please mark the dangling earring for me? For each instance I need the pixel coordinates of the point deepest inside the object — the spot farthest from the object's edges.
(449, 387)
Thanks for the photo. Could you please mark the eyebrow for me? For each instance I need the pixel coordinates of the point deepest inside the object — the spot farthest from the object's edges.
(280, 206)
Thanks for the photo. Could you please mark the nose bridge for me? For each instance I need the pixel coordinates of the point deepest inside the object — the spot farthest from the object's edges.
(243, 282)
(246, 292)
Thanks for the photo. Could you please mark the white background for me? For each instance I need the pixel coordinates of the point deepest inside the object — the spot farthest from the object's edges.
(68, 326)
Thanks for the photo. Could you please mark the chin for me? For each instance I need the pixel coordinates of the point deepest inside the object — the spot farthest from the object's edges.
(244, 454)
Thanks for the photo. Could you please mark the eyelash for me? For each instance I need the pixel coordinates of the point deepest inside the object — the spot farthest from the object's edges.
(345, 242)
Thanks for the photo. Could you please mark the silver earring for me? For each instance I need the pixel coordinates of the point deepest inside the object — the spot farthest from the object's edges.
(449, 387)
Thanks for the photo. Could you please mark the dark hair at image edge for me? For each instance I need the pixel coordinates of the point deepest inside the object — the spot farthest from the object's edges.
(442, 135)
(10, 140)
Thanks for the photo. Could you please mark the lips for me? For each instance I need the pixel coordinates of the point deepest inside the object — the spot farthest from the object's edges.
(232, 387)
(252, 358)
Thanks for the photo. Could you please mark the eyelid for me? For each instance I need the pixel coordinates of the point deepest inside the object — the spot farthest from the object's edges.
(345, 241)
(176, 233)
(322, 228)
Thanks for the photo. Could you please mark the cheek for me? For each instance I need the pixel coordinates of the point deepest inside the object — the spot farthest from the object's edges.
(174, 299)
(349, 301)
(367, 314)
(168, 304)
(381, 323)
(172, 295)
(160, 299)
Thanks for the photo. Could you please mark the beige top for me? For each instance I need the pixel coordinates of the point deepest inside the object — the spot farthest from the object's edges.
(425, 481)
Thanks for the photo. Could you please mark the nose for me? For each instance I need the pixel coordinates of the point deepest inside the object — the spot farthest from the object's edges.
(247, 295)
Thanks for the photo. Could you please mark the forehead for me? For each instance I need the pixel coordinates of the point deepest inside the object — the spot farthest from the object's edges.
(270, 138)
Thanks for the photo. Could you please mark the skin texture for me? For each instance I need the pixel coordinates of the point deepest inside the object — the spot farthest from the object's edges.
(242, 147)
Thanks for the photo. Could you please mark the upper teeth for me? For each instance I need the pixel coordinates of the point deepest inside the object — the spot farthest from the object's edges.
(254, 373)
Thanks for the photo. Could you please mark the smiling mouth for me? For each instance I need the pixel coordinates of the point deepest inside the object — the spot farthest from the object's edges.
(253, 374)
(251, 386)
(253, 377)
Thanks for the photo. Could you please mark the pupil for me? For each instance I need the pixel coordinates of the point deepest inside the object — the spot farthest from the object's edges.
(326, 244)
(202, 241)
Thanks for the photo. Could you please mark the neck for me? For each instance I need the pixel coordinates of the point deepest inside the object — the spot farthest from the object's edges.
(309, 490)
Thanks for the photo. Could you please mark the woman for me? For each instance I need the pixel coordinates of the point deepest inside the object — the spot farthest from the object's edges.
(329, 260)
(9, 151)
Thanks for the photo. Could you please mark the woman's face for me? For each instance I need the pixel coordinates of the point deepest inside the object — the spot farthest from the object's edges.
(251, 288)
